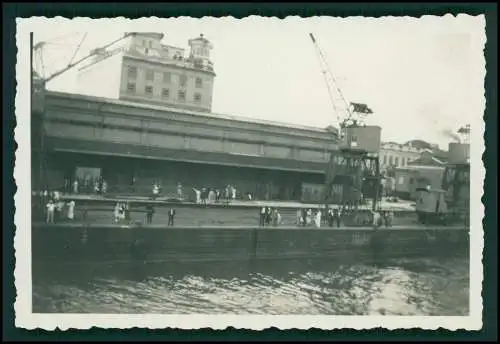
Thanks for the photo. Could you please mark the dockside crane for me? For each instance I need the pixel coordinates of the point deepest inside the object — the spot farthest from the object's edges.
(353, 172)
(39, 86)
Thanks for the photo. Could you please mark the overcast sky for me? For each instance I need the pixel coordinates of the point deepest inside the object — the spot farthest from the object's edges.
(420, 76)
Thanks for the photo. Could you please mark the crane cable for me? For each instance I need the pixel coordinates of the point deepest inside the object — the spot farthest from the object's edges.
(77, 48)
(330, 92)
(328, 69)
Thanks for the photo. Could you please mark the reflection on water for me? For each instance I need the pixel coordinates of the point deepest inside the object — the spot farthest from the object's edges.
(411, 287)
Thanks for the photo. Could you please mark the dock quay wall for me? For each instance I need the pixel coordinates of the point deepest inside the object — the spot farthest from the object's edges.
(76, 243)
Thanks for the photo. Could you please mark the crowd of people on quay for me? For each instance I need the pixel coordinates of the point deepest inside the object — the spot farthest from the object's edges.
(201, 195)
(268, 216)
(53, 208)
(96, 185)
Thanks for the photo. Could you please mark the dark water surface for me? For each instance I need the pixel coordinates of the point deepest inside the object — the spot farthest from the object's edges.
(437, 286)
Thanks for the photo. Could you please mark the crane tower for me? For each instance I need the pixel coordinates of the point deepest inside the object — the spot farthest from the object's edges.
(353, 172)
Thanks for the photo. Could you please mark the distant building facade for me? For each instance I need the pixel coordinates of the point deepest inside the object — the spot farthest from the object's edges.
(426, 171)
(143, 69)
(397, 155)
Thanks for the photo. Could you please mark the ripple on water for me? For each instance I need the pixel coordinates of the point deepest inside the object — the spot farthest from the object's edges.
(409, 287)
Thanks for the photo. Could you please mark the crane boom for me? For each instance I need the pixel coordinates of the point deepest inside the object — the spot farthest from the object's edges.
(328, 73)
(73, 64)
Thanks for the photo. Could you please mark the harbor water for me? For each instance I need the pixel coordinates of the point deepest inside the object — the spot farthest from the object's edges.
(430, 286)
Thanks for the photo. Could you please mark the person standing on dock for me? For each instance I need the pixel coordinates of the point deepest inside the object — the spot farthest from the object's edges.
(233, 193)
(211, 195)
(278, 217)
(179, 190)
(104, 186)
(299, 217)
(156, 190)
(71, 210)
(198, 195)
(51, 208)
(376, 219)
(66, 185)
(204, 196)
(59, 211)
(149, 213)
(274, 217)
(268, 216)
(304, 216)
(75, 186)
(308, 217)
(389, 218)
(127, 211)
(226, 193)
(317, 218)
(116, 213)
(330, 217)
(337, 215)
(262, 216)
(171, 215)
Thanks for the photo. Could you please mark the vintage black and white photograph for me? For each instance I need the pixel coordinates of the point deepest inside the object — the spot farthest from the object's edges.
(301, 172)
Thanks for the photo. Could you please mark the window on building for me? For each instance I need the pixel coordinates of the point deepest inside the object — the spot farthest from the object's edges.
(165, 93)
(167, 77)
(181, 95)
(199, 82)
(132, 72)
(150, 43)
(396, 161)
(197, 97)
(131, 87)
(150, 75)
(390, 159)
(183, 80)
(385, 160)
(148, 90)
(401, 180)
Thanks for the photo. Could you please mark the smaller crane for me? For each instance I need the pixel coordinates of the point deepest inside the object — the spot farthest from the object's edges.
(39, 84)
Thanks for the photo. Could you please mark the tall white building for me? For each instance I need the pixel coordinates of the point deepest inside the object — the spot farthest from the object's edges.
(143, 69)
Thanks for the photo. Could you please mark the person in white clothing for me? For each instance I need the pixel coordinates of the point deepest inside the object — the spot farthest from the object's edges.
(233, 192)
(376, 219)
(116, 213)
(75, 186)
(71, 210)
(317, 218)
(211, 196)
(156, 190)
(179, 190)
(51, 207)
(198, 195)
(308, 217)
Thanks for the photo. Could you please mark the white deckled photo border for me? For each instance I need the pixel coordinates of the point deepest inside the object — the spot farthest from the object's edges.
(25, 318)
